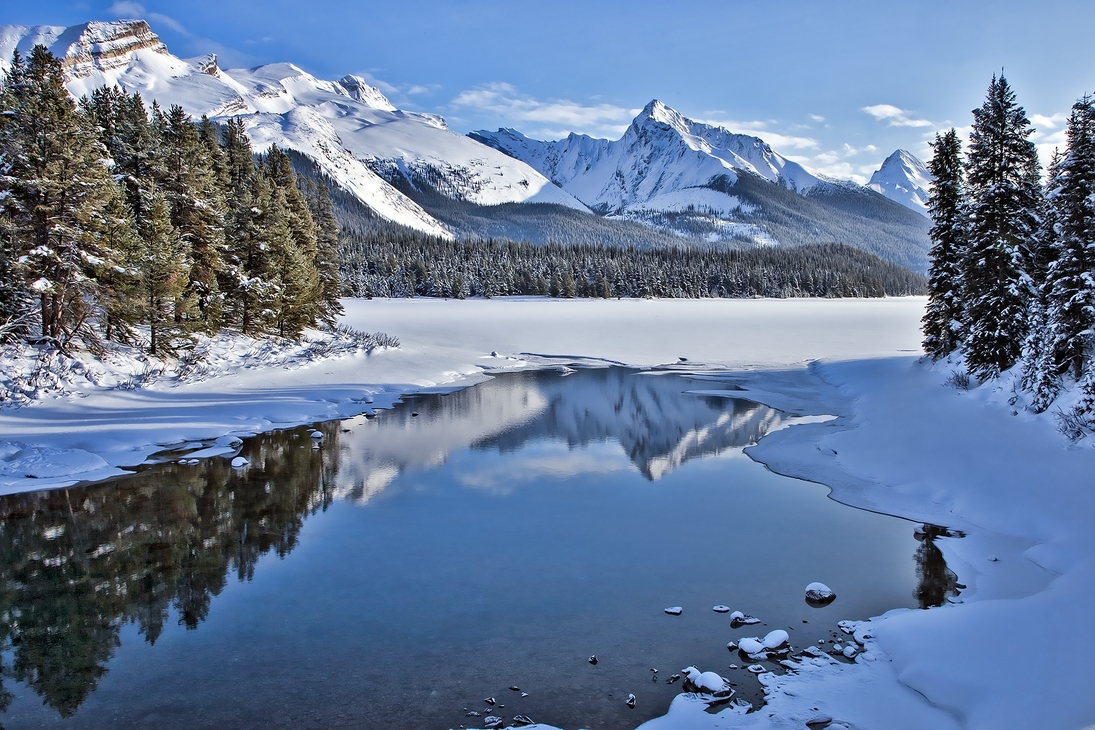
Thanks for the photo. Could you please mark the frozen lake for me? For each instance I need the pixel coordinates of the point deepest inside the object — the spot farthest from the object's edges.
(431, 556)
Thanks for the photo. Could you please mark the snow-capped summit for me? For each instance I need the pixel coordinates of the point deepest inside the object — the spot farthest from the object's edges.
(663, 161)
(904, 179)
(348, 127)
(359, 89)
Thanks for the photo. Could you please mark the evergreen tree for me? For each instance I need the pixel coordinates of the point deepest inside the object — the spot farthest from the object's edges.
(327, 251)
(942, 321)
(163, 275)
(53, 192)
(195, 200)
(1070, 281)
(1003, 179)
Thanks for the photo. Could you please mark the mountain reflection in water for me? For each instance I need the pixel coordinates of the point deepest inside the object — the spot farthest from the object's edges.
(78, 564)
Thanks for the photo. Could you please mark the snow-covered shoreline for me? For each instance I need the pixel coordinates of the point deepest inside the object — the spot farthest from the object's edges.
(1009, 655)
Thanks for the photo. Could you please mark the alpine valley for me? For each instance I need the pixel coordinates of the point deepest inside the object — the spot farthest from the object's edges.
(668, 181)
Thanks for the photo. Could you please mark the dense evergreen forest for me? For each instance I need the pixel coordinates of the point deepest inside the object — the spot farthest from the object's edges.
(1012, 279)
(115, 216)
(383, 259)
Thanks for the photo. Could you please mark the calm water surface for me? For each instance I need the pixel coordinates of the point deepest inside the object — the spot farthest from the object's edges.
(434, 555)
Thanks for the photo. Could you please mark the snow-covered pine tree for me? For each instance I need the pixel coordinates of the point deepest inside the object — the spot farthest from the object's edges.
(197, 210)
(327, 254)
(54, 188)
(1070, 280)
(163, 268)
(942, 322)
(1005, 199)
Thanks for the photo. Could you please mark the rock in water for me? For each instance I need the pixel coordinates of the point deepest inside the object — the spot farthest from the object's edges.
(492, 721)
(239, 462)
(850, 651)
(317, 435)
(819, 594)
(775, 639)
(674, 610)
(490, 700)
(751, 645)
(737, 618)
(631, 701)
(522, 720)
(721, 609)
(593, 659)
(706, 682)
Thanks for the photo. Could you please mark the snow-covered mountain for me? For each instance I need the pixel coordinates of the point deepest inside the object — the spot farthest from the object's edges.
(661, 155)
(904, 179)
(347, 126)
(700, 180)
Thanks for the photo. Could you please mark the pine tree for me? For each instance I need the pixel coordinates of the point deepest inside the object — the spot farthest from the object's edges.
(1004, 186)
(163, 275)
(327, 251)
(942, 321)
(1070, 280)
(194, 198)
(53, 193)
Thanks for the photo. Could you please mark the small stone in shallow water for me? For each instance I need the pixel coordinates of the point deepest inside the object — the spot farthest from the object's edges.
(515, 688)
(775, 639)
(631, 701)
(674, 610)
(593, 659)
(239, 462)
(850, 651)
(473, 713)
(317, 435)
(490, 701)
(819, 594)
(673, 679)
(492, 721)
(522, 720)
(750, 645)
(757, 668)
(524, 694)
(737, 618)
(731, 646)
(721, 609)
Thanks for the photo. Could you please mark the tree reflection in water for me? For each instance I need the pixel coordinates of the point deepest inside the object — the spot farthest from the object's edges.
(937, 582)
(78, 564)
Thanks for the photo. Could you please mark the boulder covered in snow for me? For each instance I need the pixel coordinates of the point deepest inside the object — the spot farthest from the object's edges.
(819, 594)
(775, 639)
(239, 462)
(708, 683)
(674, 610)
(750, 645)
(737, 618)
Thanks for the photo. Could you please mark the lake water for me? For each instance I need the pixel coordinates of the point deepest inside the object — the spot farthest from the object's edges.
(428, 557)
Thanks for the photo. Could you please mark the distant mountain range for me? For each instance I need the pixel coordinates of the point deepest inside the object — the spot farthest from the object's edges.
(678, 180)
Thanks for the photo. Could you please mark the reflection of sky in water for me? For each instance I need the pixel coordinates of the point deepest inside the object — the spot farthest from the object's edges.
(416, 564)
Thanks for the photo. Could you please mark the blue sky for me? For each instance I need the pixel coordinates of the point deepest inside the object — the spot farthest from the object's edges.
(835, 85)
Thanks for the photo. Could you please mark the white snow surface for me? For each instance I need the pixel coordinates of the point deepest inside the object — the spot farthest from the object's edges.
(903, 178)
(347, 126)
(903, 443)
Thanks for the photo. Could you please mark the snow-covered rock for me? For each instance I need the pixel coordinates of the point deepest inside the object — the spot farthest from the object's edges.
(239, 462)
(674, 610)
(775, 639)
(751, 645)
(819, 593)
(706, 682)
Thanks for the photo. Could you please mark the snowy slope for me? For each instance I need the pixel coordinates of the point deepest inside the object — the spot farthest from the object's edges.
(349, 127)
(661, 154)
(904, 179)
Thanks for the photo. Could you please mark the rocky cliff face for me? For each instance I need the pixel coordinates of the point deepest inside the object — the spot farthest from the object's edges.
(106, 46)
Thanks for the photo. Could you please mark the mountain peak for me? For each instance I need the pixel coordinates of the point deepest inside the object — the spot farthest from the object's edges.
(360, 90)
(904, 179)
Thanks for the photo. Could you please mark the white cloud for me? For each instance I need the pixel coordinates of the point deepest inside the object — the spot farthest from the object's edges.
(126, 9)
(817, 118)
(778, 140)
(170, 22)
(894, 116)
(507, 102)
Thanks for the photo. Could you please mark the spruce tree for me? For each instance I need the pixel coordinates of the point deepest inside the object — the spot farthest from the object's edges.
(1070, 280)
(53, 192)
(1004, 188)
(197, 210)
(162, 270)
(942, 322)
